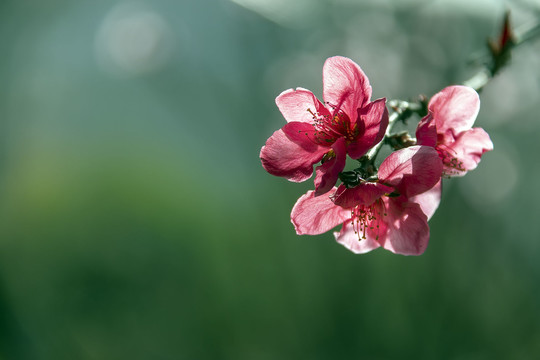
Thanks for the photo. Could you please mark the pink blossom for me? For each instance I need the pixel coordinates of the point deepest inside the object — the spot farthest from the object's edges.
(448, 128)
(348, 123)
(391, 212)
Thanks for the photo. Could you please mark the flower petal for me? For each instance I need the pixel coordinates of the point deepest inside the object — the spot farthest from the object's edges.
(327, 174)
(468, 149)
(412, 170)
(294, 105)
(364, 194)
(426, 131)
(303, 134)
(373, 118)
(408, 230)
(345, 85)
(455, 108)
(291, 154)
(429, 200)
(315, 215)
(348, 238)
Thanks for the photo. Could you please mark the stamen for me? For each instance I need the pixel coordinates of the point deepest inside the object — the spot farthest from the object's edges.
(453, 166)
(330, 127)
(367, 218)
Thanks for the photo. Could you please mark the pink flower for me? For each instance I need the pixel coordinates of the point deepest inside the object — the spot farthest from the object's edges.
(447, 128)
(348, 124)
(391, 212)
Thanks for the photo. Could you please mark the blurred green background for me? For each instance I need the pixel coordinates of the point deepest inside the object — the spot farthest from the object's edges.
(137, 223)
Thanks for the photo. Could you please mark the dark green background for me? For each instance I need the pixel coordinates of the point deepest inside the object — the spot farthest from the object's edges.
(137, 223)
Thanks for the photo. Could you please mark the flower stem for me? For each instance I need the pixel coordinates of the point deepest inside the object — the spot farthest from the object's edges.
(497, 59)
(500, 52)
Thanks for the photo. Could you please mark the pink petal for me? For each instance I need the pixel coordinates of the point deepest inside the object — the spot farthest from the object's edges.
(373, 118)
(429, 200)
(291, 154)
(327, 174)
(315, 215)
(364, 194)
(408, 230)
(294, 105)
(348, 238)
(302, 134)
(469, 147)
(426, 131)
(345, 85)
(412, 170)
(455, 108)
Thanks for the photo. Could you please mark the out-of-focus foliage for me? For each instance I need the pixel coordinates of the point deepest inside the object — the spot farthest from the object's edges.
(137, 223)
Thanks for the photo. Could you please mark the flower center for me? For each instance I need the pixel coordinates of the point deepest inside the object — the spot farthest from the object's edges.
(367, 219)
(452, 165)
(328, 128)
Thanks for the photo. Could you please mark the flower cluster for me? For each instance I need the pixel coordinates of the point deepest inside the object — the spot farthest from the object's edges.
(389, 206)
